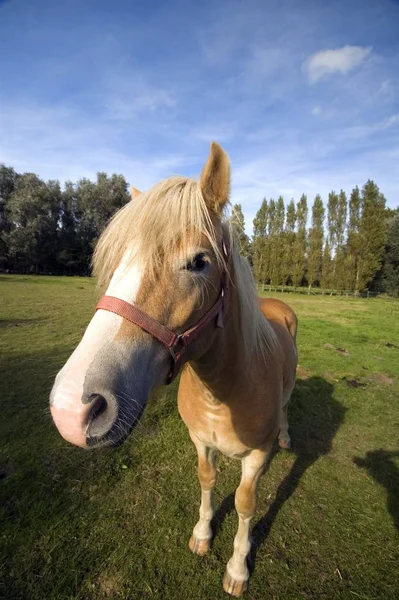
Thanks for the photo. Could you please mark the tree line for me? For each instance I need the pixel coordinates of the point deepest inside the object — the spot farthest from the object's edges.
(349, 245)
(346, 245)
(44, 229)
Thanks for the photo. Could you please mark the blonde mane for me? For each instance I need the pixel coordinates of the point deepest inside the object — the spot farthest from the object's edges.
(257, 334)
(171, 213)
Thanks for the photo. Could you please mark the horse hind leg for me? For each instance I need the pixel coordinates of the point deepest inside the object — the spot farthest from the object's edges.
(284, 439)
(200, 540)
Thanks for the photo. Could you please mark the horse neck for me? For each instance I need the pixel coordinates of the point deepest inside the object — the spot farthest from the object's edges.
(223, 364)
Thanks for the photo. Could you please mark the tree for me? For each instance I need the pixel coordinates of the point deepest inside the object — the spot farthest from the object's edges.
(238, 222)
(277, 242)
(269, 267)
(289, 240)
(96, 204)
(340, 223)
(33, 212)
(353, 248)
(390, 271)
(299, 247)
(372, 234)
(326, 269)
(69, 247)
(8, 179)
(316, 235)
(259, 242)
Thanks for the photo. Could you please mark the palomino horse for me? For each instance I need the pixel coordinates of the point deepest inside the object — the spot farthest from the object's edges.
(180, 297)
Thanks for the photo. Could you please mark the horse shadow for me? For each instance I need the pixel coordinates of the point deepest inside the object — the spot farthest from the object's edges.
(314, 417)
(380, 465)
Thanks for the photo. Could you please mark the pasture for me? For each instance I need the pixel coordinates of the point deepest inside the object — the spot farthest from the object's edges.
(116, 523)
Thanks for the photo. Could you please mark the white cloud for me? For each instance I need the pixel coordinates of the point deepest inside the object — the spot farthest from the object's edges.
(317, 110)
(341, 60)
(369, 129)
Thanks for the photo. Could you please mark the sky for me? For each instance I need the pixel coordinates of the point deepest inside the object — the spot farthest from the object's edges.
(303, 96)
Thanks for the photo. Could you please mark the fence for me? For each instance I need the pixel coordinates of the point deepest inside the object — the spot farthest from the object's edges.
(286, 289)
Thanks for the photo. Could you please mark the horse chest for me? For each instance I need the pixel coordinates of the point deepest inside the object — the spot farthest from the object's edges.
(212, 425)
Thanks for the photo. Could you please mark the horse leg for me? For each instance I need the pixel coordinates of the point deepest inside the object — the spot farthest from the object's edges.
(237, 574)
(200, 540)
(284, 440)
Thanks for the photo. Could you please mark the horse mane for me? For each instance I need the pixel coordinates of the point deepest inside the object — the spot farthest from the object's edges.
(174, 213)
(257, 334)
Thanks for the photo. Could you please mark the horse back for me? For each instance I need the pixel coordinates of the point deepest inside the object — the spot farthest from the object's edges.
(279, 312)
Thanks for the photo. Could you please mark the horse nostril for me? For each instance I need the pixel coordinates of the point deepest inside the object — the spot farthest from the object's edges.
(102, 416)
(99, 406)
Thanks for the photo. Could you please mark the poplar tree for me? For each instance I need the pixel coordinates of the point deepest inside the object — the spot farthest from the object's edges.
(390, 272)
(316, 235)
(326, 269)
(269, 265)
(332, 232)
(372, 233)
(289, 240)
(279, 274)
(353, 249)
(339, 260)
(299, 247)
(259, 242)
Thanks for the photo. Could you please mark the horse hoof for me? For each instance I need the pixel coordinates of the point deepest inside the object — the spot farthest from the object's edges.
(234, 587)
(199, 547)
(284, 444)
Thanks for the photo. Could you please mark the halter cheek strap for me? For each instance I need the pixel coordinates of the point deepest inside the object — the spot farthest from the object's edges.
(176, 343)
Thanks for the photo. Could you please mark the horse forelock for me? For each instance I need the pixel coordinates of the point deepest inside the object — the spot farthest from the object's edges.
(172, 214)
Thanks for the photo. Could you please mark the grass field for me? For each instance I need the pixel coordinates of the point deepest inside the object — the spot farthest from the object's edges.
(115, 524)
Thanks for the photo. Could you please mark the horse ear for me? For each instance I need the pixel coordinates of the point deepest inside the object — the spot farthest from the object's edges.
(134, 192)
(215, 179)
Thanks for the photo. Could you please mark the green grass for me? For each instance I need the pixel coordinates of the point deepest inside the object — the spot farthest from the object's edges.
(115, 523)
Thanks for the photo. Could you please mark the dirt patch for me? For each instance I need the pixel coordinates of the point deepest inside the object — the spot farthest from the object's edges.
(381, 378)
(340, 350)
(343, 351)
(354, 383)
(302, 372)
(110, 585)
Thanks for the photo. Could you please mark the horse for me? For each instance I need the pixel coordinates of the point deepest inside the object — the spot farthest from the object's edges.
(179, 298)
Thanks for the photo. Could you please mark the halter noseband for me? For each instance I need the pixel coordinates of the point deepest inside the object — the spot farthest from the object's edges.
(176, 343)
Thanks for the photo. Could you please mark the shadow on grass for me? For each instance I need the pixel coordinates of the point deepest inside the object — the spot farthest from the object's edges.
(19, 322)
(315, 417)
(46, 486)
(382, 468)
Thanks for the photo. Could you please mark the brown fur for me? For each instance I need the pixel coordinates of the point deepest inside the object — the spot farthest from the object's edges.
(237, 381)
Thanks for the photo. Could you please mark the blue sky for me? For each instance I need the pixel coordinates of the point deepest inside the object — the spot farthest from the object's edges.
(303, 95)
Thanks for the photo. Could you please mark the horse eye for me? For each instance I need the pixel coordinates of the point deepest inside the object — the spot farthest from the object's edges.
(198, 264)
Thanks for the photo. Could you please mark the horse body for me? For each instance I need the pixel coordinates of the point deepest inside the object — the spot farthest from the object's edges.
(178, 290)
(238, 408)
(234, 406)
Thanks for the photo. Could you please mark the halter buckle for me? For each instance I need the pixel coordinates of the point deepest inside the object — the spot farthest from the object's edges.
(178, 346)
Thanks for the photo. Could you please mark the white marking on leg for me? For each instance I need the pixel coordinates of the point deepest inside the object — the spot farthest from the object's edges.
(202, 530)
(245, 501)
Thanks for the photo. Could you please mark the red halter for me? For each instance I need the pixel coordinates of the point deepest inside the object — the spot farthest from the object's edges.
(176, 343)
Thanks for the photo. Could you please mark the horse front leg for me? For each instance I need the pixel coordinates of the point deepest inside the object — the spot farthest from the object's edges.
(235, 580)
(200, 540)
